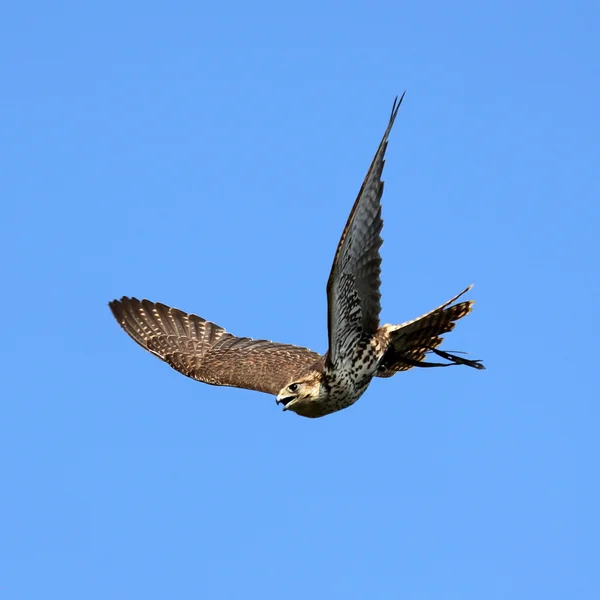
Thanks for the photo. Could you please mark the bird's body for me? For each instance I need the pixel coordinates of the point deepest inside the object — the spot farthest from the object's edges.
(348, 383)
(341, 387)
(305, 382)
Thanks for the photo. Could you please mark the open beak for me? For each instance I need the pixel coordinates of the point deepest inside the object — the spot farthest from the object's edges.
(286, 401)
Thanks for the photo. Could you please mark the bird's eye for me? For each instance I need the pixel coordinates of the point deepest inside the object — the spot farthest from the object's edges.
(293, 387)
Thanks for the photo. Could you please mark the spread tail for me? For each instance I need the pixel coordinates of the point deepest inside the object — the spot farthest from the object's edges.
(411, 341)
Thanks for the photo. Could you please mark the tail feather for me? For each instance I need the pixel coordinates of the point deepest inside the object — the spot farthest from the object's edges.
(411, 341)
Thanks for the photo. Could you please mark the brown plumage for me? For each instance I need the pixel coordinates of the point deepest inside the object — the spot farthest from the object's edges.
(206, 352)
(414, 339)
(305, 382)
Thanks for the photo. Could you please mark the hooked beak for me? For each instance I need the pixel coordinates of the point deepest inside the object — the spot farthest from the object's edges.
(287, 401)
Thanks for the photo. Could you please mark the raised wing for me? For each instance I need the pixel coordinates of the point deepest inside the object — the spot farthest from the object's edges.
(353, 296)
(206, 352)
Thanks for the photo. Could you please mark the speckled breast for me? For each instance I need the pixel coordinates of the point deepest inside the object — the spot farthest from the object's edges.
(348, 382)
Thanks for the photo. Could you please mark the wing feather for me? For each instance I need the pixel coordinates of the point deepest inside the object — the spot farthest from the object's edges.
(206, 352)
(353, 295)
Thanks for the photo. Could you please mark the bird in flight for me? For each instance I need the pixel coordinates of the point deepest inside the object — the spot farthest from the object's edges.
(303, 381)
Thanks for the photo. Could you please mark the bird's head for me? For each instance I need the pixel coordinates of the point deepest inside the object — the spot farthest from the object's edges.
(303, 395)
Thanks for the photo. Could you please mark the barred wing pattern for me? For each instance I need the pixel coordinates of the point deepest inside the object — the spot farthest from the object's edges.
(206, 352)
(353, 295)
(414, 339)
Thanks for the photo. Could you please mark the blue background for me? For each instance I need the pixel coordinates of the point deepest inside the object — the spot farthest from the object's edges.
(207, 157)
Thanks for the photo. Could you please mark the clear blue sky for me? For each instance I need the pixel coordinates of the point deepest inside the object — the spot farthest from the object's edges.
(207, 157)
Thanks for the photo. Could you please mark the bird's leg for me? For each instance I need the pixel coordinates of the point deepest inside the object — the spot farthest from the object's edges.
(458, 360)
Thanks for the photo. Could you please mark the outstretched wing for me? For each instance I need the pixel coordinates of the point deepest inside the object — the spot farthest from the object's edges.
(412, 340)
(206, 352)
(353, 295)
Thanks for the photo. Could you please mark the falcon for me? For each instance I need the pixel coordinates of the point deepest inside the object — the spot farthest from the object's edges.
(303, 381)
